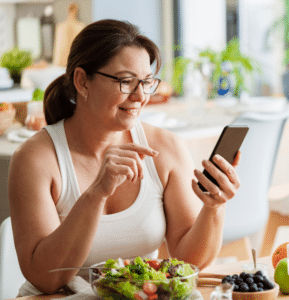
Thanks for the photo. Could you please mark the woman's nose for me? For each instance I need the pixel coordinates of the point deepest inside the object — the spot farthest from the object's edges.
(138, 94)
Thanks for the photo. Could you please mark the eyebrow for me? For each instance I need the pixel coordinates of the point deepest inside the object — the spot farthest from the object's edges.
(131, 73)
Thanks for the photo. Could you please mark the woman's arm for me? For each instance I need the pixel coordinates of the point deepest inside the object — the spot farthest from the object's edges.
(41, 242)
(194, 231)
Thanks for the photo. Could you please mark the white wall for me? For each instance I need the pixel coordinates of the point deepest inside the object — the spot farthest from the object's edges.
(145, 14)
(204, 25)
(7, 17)
(256, 17)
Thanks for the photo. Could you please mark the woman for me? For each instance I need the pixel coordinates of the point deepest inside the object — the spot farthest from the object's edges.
(97, 183)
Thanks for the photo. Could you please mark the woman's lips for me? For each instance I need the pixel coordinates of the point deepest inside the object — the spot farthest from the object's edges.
(130, 111)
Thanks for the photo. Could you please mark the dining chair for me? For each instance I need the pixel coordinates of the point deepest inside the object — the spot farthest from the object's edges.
(277, 228)
(247, 213)
(11, 277)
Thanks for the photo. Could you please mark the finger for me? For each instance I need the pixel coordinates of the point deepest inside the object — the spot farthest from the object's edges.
(237, 159)
(206, 198)
(227, 168)
(133, 155)
(140, 149)
(120, 169)
(206, 183)
(130, 162)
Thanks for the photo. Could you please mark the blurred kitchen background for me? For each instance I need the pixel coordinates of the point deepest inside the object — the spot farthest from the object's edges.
(190, 33)
(178, 27)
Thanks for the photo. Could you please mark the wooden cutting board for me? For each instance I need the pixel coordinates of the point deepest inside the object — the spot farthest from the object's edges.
(65, 33)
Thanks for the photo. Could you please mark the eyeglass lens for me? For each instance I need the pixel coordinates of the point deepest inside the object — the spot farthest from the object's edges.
(129, 85)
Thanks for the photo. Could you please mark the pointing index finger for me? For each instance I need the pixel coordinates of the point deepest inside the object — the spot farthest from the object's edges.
(140, 149)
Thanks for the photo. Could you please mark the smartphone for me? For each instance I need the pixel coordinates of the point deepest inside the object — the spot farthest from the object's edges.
(227, 146)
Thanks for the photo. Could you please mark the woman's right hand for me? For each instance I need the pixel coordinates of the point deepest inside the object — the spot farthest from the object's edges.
(121, 163)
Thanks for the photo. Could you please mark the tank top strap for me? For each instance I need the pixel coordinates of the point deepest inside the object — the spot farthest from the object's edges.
(138, 136)
(69, 183)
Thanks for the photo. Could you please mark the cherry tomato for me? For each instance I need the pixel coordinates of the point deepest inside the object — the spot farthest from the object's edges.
(149, 288)
(126, 262)
(138, 297)
(154, 264)
(153, 296)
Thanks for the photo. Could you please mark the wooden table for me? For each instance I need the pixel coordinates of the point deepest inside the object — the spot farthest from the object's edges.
(226, 269)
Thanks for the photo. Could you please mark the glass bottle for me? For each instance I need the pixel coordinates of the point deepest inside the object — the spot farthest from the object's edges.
(222, 292)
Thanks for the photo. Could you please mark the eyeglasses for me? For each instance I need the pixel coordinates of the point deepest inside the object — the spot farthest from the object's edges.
(129, 85)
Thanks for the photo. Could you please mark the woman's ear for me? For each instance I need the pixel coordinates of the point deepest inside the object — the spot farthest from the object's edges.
(79, 80)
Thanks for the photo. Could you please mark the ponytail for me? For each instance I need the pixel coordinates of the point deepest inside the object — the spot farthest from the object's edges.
(57, 101)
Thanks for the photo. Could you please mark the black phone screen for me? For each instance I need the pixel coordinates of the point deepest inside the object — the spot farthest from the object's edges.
(227, 146)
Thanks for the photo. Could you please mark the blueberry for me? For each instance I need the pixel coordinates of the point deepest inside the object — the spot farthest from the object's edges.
(254, 289)
(244, 288)
(225, 279)
(242, 275)
(260, 285)
(231, 282)
(235, 276)
(258, 278)
(236, 288)
(259, 273)
(249, 280)
(260, 290)
(269, 285)
(238, 280)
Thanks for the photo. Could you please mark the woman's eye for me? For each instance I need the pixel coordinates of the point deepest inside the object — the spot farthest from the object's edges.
(148, 82)
(127, 81)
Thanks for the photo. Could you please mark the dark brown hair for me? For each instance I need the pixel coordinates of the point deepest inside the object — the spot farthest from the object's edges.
(92, 49)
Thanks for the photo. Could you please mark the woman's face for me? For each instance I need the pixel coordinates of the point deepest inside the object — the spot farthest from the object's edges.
(110, 107)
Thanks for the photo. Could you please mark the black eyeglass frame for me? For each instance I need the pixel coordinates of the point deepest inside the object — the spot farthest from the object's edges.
(139, 81)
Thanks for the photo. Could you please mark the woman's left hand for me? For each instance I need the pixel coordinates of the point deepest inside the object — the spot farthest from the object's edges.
(227, 179)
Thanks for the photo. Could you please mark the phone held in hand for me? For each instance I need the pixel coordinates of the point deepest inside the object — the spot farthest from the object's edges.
(227, 146)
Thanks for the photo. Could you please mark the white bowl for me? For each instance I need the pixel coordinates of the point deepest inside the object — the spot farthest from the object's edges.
(42, 77)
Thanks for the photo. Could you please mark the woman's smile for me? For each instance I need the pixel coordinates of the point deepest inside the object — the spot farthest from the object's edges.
(131, 111)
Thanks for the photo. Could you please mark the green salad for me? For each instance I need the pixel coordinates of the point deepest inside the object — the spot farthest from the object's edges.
(144, 279)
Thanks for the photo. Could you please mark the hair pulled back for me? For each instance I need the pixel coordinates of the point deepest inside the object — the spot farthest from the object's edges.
(92, 49)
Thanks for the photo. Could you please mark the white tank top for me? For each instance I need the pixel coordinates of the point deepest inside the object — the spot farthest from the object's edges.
(136, 231)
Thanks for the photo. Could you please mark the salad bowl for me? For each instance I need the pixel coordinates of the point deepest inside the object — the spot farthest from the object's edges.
(143, 279)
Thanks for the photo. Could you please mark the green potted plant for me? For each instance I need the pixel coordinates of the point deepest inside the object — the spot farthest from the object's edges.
(15, 60)
(239, 64)
(178, 69)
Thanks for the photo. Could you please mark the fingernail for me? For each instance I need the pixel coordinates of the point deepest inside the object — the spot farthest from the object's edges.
(217, 157)
(155, 152)
(194, 182)
(197, 172)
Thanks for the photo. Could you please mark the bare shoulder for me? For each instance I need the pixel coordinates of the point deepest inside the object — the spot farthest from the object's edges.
(38, 148)
(164, 141)
(173, 152)
(36, 158)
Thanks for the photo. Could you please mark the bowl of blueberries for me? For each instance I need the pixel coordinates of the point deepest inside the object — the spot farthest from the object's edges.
(254, 286)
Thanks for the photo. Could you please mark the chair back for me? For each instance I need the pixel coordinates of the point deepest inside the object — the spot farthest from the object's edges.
(11, 277)
(248, 211)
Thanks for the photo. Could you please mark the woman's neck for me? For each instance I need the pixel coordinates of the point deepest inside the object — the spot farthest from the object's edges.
(85, 136)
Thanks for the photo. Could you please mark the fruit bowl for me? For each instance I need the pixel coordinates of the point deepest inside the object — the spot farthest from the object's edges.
(6, 119)
(143, 279)
(264, 295)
